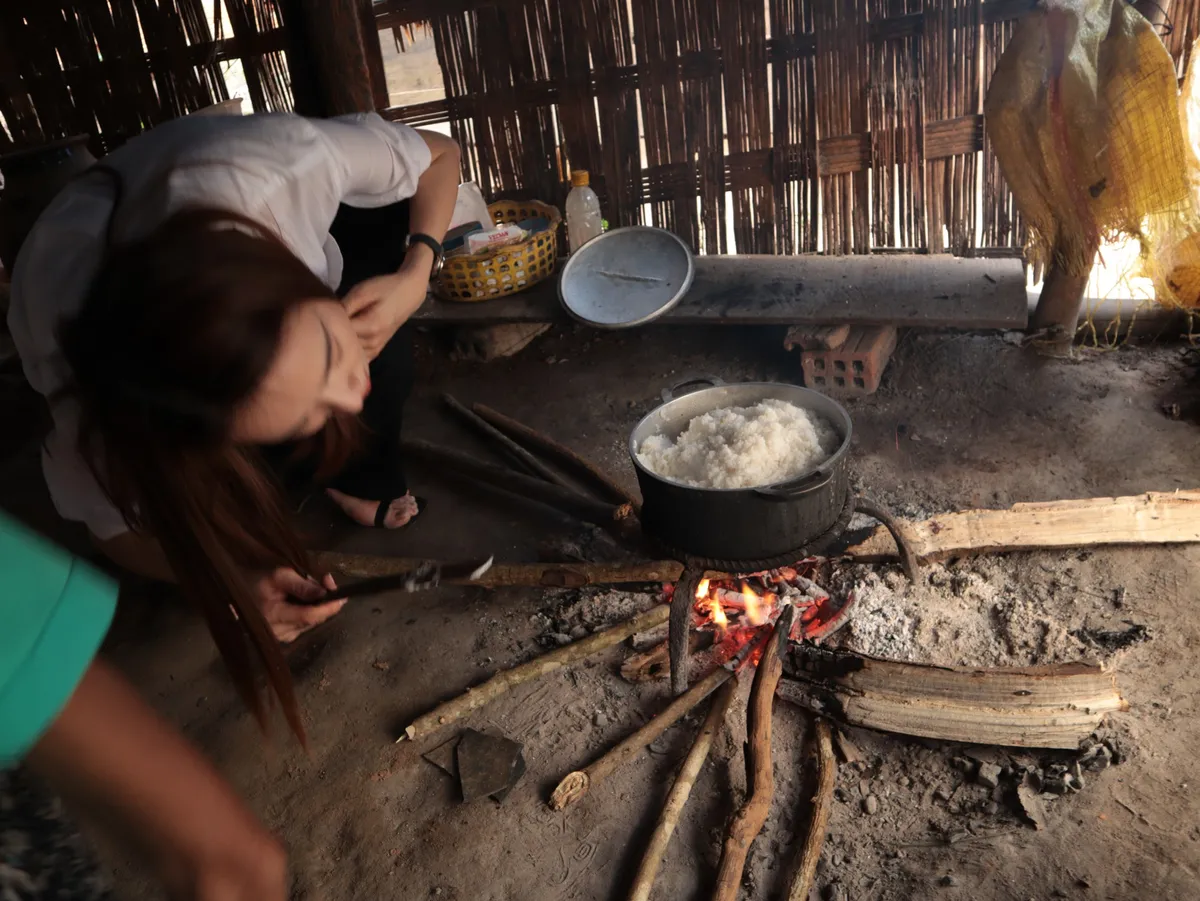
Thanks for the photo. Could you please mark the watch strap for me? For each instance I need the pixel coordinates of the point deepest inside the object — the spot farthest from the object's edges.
(439, 253)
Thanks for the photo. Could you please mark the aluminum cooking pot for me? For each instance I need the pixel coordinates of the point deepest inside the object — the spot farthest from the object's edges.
(741, 524)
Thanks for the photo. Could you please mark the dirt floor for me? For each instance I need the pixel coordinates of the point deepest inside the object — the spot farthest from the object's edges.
(961, 421)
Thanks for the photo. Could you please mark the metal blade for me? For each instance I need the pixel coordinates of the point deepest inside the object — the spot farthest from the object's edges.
(424, 577)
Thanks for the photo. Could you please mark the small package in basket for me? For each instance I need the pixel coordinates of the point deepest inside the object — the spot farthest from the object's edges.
(495, 237)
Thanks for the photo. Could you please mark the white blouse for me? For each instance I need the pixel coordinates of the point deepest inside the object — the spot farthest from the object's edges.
(283, 171)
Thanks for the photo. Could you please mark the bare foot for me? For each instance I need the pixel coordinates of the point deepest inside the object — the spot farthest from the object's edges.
(400, 512)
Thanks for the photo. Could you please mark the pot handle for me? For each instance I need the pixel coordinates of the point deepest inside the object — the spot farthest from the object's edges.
(706, 381)
(792, 490)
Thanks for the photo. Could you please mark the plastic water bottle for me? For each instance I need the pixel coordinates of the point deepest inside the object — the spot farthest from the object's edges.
(583, 211)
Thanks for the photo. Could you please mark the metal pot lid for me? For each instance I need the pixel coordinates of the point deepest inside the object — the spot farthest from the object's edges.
(626, 277)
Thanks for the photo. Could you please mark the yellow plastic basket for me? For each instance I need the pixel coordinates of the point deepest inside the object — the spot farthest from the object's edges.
(469, 278)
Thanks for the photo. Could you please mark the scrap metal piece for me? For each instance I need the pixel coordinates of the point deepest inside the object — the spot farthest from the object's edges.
(488, 765)
(426, 576)
(443, 756)
(518, 772)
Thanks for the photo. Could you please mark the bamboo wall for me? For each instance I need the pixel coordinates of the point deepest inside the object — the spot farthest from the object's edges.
(113, 68)
(765, 126)
(788, 126)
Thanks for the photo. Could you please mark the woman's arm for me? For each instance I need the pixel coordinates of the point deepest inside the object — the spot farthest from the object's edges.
(433, 205)
(114, 760)
(381, 305)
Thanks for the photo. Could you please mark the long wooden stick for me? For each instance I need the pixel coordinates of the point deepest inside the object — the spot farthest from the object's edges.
(499, 684)
(818, 821)
(1152, 518)
(677, 799)
(508, 575)
(510, 447)
(567, 500)
(581, 466)
(748, 821)
(576, 785)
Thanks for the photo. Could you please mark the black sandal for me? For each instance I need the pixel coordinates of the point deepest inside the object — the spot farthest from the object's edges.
(384, 505)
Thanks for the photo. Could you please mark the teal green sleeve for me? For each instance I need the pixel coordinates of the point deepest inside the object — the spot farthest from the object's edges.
(54, 612)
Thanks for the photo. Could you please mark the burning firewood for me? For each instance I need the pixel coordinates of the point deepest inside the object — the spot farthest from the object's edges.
(818, 821)
(502, 682)
(652, 664)
(677, 799)
(748, 821)
(682, 600)
(1032, 707)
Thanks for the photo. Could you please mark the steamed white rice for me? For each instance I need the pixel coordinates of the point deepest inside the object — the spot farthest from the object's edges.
(742, 447)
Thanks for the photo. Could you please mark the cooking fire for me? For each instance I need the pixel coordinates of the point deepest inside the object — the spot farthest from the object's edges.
(736, 607)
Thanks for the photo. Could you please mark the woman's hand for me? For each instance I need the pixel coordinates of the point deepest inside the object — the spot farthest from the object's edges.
(287, 620)
(380, 305)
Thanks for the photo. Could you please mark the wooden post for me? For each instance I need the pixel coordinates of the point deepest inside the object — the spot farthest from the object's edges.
(1058, 308)
(331, 75)
(373, 53)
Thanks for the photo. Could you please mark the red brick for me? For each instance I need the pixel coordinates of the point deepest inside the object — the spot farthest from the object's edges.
(816, 337)
(854, 368)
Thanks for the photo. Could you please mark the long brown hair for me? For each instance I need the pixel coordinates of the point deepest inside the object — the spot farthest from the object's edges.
(177, 331)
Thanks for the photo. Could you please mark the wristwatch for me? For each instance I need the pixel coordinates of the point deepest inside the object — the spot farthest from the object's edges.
(439, 255)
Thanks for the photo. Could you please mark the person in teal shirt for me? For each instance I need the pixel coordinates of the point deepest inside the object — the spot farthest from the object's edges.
(72, 728)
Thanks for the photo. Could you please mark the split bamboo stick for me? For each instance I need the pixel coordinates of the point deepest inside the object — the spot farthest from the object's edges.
(677, 799)
(501, 683)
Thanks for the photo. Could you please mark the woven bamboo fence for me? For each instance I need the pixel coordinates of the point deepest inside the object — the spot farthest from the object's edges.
(113, 68)
(790, 126)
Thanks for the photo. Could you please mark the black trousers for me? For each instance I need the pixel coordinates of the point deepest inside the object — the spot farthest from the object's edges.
(372, 243)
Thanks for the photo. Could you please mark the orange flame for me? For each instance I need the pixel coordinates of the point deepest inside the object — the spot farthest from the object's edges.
(715, 611)
(755, 611)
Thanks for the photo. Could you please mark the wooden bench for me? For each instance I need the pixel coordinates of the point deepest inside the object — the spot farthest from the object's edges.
(903, 290)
